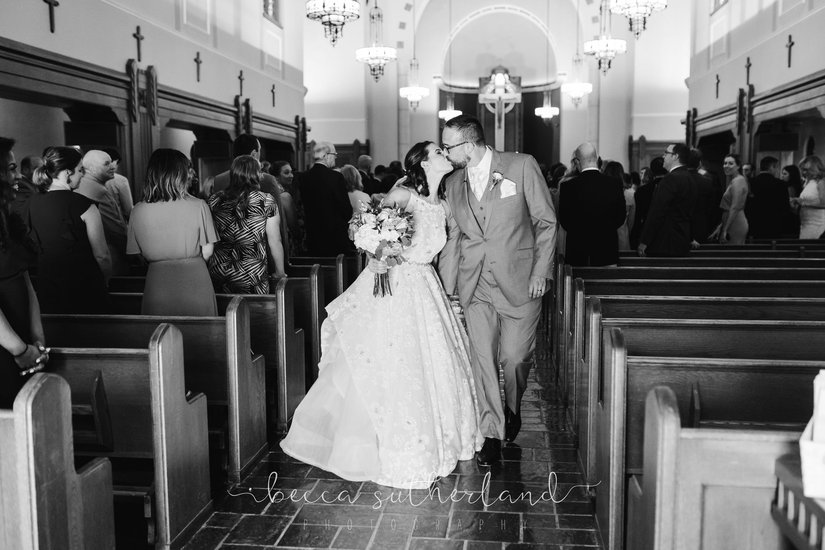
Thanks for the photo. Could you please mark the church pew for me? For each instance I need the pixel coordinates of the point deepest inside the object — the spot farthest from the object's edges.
(801, 252)
(722, 261)
(160, 449)
(777, 350)
(274, 333)
(332, 275)
(309, 300)
(749, 305)
(46, 503)
(218, 364)
(704, 488)
(347, 267)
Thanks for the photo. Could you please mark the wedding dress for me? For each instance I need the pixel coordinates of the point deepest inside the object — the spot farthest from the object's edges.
(395, 397)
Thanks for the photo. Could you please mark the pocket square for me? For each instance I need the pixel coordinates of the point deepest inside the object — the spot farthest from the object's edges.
(508, 188)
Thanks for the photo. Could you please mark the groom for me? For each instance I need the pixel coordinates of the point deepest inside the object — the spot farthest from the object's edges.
(499, 254)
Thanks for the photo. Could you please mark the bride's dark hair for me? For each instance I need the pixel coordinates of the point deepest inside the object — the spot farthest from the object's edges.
(416, 178)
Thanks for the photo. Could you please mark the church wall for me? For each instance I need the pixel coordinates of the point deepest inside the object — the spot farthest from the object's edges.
(230, 36)
(723, 41)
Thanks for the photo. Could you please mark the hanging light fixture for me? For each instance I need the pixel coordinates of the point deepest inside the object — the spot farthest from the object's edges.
(450, 112)
(333, 14)
(577, 89)
(376, 55)
(605, 47)
(413, 93)
(547, 111)
(637, 12)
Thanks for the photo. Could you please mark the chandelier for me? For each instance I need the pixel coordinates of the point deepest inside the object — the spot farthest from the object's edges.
(576, 90)
(376, 55)
(333, 14)
(605, 47)
(637, 11)
(546, 111)
(450, 112)
(414, 93)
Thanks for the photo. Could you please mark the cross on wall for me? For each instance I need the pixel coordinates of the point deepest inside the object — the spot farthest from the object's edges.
(138, 38)
(198, 62)
(52, 5)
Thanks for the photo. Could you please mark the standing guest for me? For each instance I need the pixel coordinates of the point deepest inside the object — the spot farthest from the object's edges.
(98, 170)
(327, 209)
(667, 230)
(175, 233)
(733, 228)
(246, 144)
(614, 169)
(498, 257)
(21, 331)
(811, 201)
(368, 182)
(25, 187)
(355, 188)
(747, 171)
(768, 205)
(706, 203)
(644, 196)
(591, 209)
(248, 225)
(74, 262)
(291, 208)
(119, 186)
(792, 178)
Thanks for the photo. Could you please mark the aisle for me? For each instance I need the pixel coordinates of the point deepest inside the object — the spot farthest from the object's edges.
(414, 519)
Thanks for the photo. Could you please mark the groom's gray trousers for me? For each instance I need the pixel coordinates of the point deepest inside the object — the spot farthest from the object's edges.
(500, 333)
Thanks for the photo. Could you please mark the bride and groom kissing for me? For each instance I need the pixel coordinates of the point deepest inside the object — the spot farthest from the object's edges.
(403, 392)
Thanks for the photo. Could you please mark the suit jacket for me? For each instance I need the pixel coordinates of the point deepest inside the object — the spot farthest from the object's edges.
(767, 207)
(517, 240)
(327, 211)
(643, 197)
(667, 231)
(591, 209)
(706, 206)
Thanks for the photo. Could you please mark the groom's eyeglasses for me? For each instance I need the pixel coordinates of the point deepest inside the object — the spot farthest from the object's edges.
(447, 148)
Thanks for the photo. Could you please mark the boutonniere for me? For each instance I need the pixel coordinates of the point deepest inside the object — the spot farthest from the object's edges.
(497, 178)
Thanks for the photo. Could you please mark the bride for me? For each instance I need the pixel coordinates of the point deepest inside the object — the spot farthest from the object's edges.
(395, 398)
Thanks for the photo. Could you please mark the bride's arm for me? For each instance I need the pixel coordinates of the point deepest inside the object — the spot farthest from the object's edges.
(399, 197)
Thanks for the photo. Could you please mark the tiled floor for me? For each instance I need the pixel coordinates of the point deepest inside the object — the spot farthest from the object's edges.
(366, 515)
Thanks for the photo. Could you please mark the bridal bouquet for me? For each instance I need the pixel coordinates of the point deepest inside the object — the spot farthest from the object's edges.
(382, 232)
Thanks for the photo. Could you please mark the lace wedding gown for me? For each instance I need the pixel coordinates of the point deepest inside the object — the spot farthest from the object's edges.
(395, 397)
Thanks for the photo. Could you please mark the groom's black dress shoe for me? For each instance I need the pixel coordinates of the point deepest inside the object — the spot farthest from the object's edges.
(512, 424)
(489, 453)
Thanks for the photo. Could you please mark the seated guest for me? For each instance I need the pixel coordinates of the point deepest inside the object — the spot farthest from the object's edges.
(74, 261)
(21, 331)
(248, 225)
(175, 233)
(355, 187)
(98, 170)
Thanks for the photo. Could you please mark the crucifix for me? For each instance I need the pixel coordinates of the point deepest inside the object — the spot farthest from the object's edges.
(717, 86)
(790, 45)
(138, 38)
(198, 61)
(748, 71)
(241, 79)
(52, 5)
(273, 94)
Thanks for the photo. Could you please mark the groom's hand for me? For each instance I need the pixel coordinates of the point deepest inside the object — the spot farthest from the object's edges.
(538, 286)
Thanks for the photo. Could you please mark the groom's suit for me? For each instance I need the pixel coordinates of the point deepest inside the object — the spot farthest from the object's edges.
(494, 246)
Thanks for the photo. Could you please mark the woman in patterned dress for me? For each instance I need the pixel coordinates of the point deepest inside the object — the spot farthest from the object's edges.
(248, 223)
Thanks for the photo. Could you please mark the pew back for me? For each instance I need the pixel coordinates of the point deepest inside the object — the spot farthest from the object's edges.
(46, 504)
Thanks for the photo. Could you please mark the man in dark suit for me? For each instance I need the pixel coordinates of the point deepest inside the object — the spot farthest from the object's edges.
(247, 144)
(667, 230)
(703, 213)
(768, 204)
(327, 209)
(644, 196)
(591, 209)
(369, 183)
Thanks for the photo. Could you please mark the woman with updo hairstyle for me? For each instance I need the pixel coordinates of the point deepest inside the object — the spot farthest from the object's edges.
(733, 229)
(811, 201)
(174, 232)
(395, 398)
(74, 263)
(249, 227)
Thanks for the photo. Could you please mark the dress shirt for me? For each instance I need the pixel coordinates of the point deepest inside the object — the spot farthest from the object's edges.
(479, 175)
